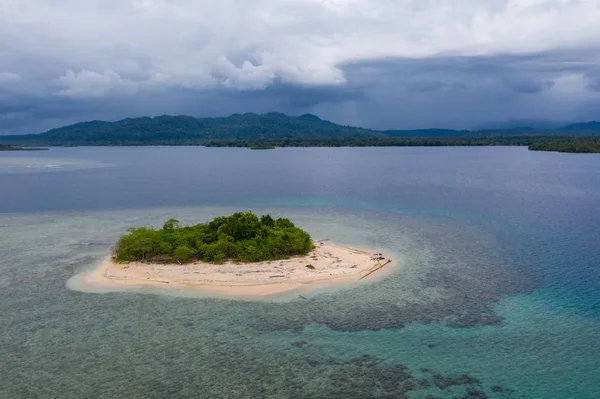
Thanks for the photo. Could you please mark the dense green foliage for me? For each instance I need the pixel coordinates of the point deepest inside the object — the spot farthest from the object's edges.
(388, 142)
(274, 127)
(577, 146)
(240, 237)
(262, 146)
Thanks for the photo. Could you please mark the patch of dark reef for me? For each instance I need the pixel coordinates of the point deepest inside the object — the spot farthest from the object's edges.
(444, 382)
(468, 287)
(191, 354)
(375, 315)
(474, 393)
(368, 377)
(499, 389)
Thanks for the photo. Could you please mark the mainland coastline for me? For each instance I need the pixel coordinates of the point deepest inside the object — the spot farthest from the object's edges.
(328, 264)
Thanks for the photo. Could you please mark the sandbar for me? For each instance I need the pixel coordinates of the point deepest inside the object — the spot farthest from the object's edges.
(327, 264)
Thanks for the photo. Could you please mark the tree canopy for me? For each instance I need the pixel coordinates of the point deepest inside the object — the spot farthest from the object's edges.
(575, 146)
(242, 237)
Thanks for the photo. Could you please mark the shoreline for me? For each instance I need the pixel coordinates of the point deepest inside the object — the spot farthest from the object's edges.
(333, 265)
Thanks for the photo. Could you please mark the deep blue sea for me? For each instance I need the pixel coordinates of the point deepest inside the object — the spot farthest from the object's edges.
(496, 295)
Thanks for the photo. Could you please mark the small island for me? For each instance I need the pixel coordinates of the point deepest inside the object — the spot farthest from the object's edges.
(572, 146)
(237, 255)
(263, 146)
(4, 147)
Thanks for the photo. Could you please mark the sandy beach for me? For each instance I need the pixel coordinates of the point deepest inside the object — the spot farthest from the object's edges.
(327, 264)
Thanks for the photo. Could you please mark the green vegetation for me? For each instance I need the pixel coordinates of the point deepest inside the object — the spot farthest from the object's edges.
(389, 142)
(275, 130)
(241, 237)
(576, 146)
(187, 130)
(261, 146)
(11, 148)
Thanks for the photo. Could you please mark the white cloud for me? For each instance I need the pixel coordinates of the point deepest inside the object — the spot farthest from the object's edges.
(88, 84)
(250, 44)
(7, 78)
(247, 76)
(203, 57)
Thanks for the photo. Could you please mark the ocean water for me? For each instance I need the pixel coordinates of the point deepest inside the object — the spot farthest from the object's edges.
(497, 291)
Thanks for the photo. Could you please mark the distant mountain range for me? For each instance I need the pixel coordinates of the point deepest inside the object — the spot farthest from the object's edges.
(540, 124)
(582, 127)
(187, 130)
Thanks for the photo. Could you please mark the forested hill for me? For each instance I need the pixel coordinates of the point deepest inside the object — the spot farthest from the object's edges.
(273, 128)
(189, 130)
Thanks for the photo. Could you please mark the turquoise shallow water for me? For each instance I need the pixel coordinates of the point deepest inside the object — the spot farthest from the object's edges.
(497, 294)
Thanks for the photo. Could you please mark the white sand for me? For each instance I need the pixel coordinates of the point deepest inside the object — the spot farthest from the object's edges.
(332, 264)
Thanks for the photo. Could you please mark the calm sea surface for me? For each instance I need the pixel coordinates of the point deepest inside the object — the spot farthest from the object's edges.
(497, 293)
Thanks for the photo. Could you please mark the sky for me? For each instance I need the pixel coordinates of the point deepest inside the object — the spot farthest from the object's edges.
(380, 64)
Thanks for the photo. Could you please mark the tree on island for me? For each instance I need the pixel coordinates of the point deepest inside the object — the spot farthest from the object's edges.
(574, 146)
(241, 237)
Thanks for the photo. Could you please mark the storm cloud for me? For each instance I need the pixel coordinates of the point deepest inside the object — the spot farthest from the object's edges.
(373, 63)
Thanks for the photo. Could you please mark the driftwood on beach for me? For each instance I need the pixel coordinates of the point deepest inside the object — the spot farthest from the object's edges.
(377, 268)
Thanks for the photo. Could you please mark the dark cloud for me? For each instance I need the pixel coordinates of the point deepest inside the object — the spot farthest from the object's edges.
(426, 85)
(450, 91)
(526, 84)
(466, 92)
(592, 81)
(294, 97)
(376, 63)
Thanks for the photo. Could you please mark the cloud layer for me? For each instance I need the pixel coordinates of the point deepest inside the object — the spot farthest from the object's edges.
(378, 63)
